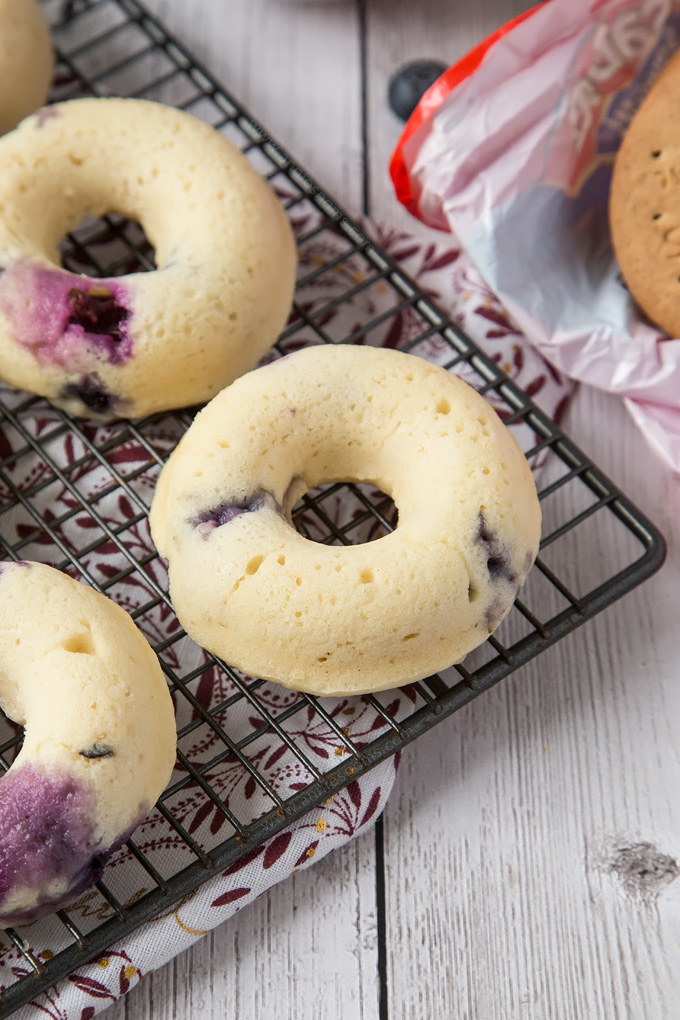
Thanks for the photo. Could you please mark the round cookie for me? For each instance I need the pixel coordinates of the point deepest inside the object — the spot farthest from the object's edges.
(328, 619)
(99, 743)
(25, 60)
(132, 345)
(644, 205)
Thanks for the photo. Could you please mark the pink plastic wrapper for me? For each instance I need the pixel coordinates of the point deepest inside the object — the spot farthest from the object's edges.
(512, 150)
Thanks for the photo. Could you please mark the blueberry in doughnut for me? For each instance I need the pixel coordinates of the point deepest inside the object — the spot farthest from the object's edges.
(327, 619)
(132, 345)
(99, 742)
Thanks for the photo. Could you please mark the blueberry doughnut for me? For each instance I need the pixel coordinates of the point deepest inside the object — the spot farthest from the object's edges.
(132, 345)
(99, 742)
(25, 60)
(327, 619)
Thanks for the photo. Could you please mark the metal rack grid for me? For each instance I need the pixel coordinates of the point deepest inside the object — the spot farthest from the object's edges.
(86, 512)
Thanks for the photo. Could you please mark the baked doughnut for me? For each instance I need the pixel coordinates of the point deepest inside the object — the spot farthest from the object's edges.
(644, 204)
(145, 342)
(99, 743)
(25, 60)
(331, 620)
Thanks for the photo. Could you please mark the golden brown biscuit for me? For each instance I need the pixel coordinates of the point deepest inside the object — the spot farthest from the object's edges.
(644, 206)
(26, 60)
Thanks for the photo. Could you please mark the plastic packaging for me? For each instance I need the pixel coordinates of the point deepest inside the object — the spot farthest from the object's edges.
(512, 150)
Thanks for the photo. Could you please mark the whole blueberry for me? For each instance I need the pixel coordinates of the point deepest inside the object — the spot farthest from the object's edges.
(408, 85)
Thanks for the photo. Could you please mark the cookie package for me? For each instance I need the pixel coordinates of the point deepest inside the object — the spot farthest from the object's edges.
(513, 149)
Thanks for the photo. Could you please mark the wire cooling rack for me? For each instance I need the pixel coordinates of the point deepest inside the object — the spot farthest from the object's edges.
(77, 495)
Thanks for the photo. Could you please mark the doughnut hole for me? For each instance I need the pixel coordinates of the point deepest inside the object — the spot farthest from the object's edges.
(94, 226)
(107, 246)
(349, 513)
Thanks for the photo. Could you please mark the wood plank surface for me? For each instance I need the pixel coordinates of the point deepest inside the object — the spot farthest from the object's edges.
(513, 892)
(295, 67)
(530, 840)
(307, 948)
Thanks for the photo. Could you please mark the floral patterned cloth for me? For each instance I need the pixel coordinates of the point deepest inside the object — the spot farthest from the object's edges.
(446, 275)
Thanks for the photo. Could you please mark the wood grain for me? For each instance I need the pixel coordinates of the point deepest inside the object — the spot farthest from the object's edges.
(305, 949)
(295, 67)
(503, 830)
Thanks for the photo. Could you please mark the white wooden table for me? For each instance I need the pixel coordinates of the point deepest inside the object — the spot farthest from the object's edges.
(486, 892)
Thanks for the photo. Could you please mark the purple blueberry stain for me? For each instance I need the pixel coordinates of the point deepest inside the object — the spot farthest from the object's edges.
(495, 612)
(224, 513)
(497, 559)
(484, 533)
(497, 566)
(97, 311)
(47, 826)
(47, 837)
(92, 393)
(216, 517)
(500, 604)
(59, 316)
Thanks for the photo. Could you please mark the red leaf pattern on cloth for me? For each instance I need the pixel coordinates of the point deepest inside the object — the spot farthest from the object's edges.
(245, 861)
(123, 981)
(217, 821)
(307, 853)
(5, 447)
(273, 758)
(535, 386)
(200, 816)
(92, 987)
(231, 896)
(441, 262)
(354, 793)
(372, 807)
(204, 692)
(276, 849)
